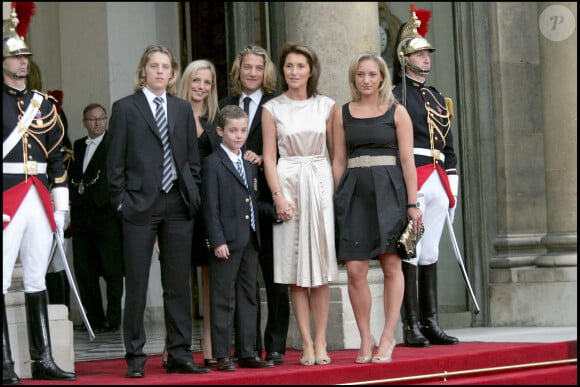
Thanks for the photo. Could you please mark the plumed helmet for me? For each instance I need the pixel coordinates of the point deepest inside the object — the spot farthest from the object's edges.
(411, 36)
(14, 29)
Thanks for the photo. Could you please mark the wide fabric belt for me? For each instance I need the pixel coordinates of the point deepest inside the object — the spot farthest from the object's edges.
(371, 161)
(30, 168)
(436, 153)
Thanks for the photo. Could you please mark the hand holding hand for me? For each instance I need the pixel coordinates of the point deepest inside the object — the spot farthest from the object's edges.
(284, 208)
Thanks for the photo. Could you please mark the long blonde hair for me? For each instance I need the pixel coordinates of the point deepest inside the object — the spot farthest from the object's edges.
(140, 78)
(184, 91)
(385, 89)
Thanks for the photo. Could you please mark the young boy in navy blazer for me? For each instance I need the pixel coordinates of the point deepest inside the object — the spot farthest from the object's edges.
(230, 212)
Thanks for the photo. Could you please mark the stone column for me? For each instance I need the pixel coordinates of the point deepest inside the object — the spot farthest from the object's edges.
(337, 32)
(558, 55)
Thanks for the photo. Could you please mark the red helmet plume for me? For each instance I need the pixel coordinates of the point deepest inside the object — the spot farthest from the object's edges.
(424, 15)
(24, 10)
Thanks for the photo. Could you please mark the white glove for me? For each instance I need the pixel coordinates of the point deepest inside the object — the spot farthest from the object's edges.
(454, 185)
(452, 211)
(60, 220)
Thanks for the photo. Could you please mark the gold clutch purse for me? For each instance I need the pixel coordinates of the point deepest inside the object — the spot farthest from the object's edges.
(407, 243)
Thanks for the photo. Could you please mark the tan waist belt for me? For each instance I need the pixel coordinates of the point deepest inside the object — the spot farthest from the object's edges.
(371, 161)
(30, 168)
(436, 153)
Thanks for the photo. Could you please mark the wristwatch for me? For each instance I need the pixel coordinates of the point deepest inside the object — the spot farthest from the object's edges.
(413, 205)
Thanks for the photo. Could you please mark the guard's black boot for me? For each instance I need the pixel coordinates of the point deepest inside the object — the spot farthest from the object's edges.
(428, 303)
(43, 366)
(412, 336)
(8, 374)
(58, 288)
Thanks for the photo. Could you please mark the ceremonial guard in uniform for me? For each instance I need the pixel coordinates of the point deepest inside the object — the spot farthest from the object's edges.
(437, 179)
(32, 164)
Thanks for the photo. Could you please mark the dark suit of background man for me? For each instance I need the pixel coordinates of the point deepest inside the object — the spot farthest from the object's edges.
(253, 76)
(139, 157)
(96, 226)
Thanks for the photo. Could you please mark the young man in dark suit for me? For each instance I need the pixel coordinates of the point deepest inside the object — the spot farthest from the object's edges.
(229, 193)
(96, 226)
(253, 79)
(153, 169)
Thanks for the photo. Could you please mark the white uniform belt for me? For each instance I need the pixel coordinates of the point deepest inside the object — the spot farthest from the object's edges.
(436, 153)
(371, 161)
(30, 168)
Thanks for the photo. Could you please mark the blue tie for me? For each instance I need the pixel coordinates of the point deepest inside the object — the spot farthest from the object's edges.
(161, 120)
(243, 175)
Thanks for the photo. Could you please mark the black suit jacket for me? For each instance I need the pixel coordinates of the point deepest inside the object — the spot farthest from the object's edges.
(225, 205)
(255, 143)
(135, 155)
(88, 190)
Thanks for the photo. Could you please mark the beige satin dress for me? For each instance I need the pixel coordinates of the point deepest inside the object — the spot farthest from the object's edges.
(304, 247)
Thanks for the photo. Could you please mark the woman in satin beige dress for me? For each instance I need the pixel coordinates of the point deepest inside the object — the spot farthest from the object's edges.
(296, 126)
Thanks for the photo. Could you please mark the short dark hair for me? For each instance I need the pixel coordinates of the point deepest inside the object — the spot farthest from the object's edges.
(230, 112)
(90, 107)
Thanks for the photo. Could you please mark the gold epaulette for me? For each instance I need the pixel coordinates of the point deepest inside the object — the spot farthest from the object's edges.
(449, 104)
(46, 96)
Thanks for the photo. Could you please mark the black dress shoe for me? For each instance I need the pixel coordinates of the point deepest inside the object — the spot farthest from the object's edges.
(185, 368)
(135, 372)
(276, 357)
(225, 364)
(255, 362)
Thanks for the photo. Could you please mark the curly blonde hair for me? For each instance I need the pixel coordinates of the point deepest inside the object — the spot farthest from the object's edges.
(269, 82)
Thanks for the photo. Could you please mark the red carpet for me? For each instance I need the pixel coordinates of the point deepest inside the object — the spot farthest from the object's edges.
(409, 366)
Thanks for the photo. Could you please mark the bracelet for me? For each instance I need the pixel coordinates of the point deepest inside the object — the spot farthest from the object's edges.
(276, 194)
(413, 205)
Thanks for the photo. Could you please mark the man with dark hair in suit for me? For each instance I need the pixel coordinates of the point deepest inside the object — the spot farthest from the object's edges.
(153, 168)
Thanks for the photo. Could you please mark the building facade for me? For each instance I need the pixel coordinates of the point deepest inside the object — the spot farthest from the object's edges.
(511, 69)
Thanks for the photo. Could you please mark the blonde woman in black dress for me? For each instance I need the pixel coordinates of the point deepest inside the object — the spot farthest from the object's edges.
(375, 195)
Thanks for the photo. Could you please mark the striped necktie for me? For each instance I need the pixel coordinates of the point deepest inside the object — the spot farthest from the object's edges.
(161, 120)
(242, 173)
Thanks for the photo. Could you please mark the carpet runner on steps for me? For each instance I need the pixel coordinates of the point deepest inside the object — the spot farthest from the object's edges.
(409, 366)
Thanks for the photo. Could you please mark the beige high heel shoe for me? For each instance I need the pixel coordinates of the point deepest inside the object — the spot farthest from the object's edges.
(307, 361)
(367, 359)
(323, 359)
(385, 359)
